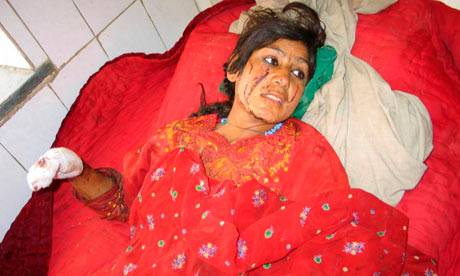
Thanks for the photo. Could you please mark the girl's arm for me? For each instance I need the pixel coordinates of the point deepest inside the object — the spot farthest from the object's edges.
(99, 189)
(91, 184)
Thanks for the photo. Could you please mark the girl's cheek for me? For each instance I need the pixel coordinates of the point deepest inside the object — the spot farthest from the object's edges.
(297, 94)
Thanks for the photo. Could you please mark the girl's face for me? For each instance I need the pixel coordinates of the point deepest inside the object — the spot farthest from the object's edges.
(272, 82)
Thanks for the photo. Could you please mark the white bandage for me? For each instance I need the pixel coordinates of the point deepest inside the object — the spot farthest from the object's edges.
(57, 163)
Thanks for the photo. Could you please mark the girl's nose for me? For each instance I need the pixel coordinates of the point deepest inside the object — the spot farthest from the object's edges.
(281, 77)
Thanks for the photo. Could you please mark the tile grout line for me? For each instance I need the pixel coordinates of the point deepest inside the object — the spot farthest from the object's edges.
(154, 26)
(103, 29)
(92, 31)
(113, 20)
(57, 96)
(196, 6)
(12, 156)
(95, 37)
(27, 28)
(58, 70)
(103, 49)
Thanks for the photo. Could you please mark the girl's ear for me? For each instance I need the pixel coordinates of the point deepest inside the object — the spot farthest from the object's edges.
(232, 76)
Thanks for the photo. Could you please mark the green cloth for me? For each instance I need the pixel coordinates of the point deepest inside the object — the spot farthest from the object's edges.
(325, 58)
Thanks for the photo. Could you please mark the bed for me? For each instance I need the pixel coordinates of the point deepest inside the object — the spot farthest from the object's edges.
(413, 44)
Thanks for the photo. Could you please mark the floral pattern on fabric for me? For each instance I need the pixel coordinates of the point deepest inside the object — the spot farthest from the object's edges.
(129, 268)
(195, 168)
(259, 197)
(242, 248)
(355, 220)
(269, 232)
(173, 194)
(179, 261)
(220, 193)
(132, 231)
(251, 227)
(201, 187)
(207, 250)
(303, 215)
(318, 258)
(353, 248)
(151, 222)
(157, 174)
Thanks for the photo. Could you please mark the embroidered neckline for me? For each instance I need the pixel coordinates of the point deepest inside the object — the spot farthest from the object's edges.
(256, 157)
(268, 132)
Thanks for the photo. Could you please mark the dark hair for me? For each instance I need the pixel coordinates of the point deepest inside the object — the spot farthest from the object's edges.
(295, 22)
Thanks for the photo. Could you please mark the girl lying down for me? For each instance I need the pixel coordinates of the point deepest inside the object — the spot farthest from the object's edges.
(240, 187)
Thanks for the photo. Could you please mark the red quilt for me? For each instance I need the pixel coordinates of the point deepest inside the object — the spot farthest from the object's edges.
(414, 45)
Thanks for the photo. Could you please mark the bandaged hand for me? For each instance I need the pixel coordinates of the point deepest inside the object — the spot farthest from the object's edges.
(56, 163)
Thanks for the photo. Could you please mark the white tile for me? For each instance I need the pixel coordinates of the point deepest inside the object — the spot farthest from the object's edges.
(56, 24)
(99, 13)
(452, 3)
(21, 35)
(74, 74)
(14, 192)
(171, 17)
(31, 131)
(131, 32)
(203, 4)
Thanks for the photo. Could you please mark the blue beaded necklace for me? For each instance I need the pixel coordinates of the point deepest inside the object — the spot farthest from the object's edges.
(268, 132)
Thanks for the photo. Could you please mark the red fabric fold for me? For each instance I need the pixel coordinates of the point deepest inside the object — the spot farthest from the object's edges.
(26, 247)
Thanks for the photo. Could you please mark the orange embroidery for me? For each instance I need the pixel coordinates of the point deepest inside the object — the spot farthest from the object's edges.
(258, 157)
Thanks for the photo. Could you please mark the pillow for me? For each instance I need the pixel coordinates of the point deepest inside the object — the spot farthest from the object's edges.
(325, 58)
(195, 69)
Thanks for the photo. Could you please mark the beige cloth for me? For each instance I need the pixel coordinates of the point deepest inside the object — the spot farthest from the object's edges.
(381, 136)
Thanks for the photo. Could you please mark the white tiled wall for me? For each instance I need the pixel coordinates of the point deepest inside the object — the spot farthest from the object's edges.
(99, 13)
(124, 36)
(57, 26)
(452, 3)
(13, 191)
(32, 129)
(78, 36)
(169, 26)
(75, 74)
(204, 4)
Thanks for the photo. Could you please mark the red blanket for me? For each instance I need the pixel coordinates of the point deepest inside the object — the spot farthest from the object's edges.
(414, 44)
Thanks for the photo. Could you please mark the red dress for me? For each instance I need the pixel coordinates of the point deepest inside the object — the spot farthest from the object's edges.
(265, 205)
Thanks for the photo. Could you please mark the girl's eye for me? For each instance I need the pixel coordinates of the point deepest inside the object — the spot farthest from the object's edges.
(299, 74)
(271, 60)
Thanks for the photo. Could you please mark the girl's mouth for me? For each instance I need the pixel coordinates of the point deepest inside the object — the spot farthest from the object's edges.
(274, 97)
